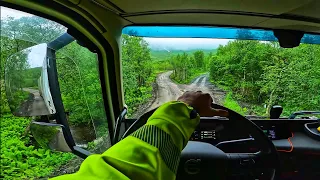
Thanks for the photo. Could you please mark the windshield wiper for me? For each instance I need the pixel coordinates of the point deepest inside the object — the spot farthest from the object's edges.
(295, 114)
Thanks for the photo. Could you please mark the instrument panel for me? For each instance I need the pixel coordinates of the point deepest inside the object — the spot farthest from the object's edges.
(216, 131)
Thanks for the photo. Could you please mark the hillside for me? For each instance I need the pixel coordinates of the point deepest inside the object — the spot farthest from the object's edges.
(164, 54)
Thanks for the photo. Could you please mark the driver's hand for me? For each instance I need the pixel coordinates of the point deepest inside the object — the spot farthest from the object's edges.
(201, 102)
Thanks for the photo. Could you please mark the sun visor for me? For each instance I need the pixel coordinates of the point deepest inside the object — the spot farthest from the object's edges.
(288, 38)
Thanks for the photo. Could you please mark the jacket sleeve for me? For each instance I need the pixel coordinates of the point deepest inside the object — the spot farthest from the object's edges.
(151, 152)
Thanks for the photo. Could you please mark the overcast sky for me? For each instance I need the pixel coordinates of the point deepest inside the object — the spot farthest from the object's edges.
(6, 12)
(184, 43)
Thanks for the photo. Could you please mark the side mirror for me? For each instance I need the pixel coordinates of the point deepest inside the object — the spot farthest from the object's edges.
(27, 84)
(49, 136)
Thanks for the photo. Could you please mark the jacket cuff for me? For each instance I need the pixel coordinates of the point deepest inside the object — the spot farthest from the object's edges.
(177, 119)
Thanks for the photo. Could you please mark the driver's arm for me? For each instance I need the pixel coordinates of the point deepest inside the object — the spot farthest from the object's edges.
(153, 151)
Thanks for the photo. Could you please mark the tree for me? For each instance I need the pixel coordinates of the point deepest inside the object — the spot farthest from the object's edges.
(263, 72)
(199, 59)
(136, 63)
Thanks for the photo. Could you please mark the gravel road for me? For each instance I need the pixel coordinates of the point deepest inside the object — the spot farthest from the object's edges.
(35, 106)
(168, 90)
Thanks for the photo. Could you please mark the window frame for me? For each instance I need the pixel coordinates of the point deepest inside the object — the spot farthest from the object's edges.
(110, 111)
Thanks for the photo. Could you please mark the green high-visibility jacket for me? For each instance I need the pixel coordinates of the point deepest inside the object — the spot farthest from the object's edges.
(151, 152)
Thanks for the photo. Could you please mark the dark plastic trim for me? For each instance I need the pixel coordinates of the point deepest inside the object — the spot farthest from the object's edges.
(295, 114)
(81, 152)
(60, 115)
(311, 129)
(119, 121)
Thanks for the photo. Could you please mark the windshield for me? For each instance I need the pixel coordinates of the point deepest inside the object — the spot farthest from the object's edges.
(248, 76)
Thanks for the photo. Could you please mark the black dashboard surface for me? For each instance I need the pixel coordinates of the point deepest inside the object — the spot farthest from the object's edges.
(287, 135)
(298, 151)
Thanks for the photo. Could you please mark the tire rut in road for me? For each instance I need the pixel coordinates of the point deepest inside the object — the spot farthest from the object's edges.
(168, 91)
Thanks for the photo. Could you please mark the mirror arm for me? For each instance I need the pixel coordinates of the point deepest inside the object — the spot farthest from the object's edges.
(80, 152)
(61, 41)
(60, 115)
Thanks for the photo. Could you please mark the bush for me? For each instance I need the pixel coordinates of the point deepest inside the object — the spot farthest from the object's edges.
(21, 160)
(232, 104)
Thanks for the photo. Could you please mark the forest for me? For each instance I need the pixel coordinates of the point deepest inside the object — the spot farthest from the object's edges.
(262, 73)
(255, 75)
(21, 156)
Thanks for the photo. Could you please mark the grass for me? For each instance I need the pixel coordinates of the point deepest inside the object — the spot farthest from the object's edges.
(232, 104)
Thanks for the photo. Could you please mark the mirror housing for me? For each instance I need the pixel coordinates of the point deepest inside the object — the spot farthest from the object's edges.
(49, 136)
(27, 83)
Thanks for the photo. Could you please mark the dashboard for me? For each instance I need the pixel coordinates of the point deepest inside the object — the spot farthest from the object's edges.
(230, 139)
(298, 149)
(215, 131)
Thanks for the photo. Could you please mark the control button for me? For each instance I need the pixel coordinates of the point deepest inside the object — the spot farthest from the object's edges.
(247, 162)
(246, 159)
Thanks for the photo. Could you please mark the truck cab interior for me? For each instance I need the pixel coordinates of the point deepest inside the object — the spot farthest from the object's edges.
(277, 141)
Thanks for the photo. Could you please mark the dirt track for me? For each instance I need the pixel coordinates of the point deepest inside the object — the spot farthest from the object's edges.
(168, 90)
(34, 106)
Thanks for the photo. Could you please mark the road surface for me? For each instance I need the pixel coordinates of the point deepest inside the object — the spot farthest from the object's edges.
(168, 90)
(36, 106)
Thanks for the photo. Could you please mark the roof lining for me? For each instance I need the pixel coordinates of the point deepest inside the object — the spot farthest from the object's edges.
(282, 16)
(110, 4)
(194, 11)
(286, 16)
(112, 10)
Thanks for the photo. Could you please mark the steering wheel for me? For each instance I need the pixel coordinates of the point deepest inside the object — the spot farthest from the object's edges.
(205, 161)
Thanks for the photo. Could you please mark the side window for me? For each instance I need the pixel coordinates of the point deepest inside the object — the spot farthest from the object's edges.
(80, 88)
(28, 151)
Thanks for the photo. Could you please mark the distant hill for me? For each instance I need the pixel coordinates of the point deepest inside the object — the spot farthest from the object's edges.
(160, 55)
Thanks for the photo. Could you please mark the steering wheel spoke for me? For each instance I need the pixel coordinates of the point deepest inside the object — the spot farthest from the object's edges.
(251, 165)
(251, 160)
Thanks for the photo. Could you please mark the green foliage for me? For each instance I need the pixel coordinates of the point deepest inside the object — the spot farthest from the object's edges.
(19, 97)
(198, 59)
(20, 159)
(186, 68)
(21, 155)
(31, 77)
(138, 71)
(161, 55)
(44, 134)
(263, 73)
(232, 104)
